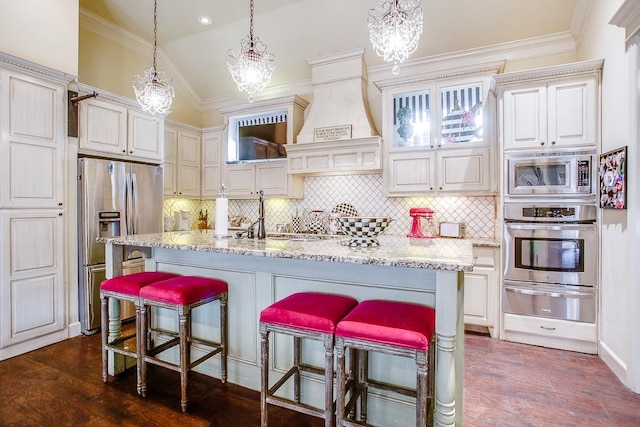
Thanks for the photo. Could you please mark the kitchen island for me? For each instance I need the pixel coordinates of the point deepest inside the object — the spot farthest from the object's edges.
(260, 272)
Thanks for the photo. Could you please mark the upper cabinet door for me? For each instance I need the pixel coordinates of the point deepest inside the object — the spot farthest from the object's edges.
(170, 160)
(552, 114)
(525, 116)
(103, 127)
(32, 148)
(573, 112)
(144, 136)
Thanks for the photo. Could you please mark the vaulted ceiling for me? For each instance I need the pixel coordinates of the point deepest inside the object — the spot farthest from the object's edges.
(296, 30)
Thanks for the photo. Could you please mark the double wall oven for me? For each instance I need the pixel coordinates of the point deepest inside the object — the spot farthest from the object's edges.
(550, 237)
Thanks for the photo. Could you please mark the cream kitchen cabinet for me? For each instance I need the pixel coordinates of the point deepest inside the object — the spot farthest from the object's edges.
(33, 182)
(212, 163)
(481, 291)
(32, 149)
(119, 131)
(439, 134)
(182, 163)
(551, 108)
(420, 171)
(32, 293)
(245, 180)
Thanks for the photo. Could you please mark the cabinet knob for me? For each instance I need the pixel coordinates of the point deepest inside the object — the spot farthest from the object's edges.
(541, 142)
(59, 203)
(430, 188)
(59, 213)
(439, 145)
(130, 151)
(439, 188)
(553, 143)
(124, 151)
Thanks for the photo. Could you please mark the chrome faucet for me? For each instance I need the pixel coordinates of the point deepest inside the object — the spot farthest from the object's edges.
(262, 233)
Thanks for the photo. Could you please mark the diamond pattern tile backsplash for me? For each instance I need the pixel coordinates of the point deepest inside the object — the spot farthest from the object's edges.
(365, 193)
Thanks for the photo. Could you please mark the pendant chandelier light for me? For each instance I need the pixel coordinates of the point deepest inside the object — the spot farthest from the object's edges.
(252, 65)
(395, 27)
(154, 91)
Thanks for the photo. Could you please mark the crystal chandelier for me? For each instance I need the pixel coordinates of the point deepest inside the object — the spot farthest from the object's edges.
(252, 65)
(395, 27)
(154, 91)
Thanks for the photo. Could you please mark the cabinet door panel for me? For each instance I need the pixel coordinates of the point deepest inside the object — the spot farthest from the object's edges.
(464, 170)
(241, 180)
(272, 179)
(211, 170)
(189, 180)
(525, 117)
(572, 113)
(32, 145)
(31, 275)
(411, 173)
(103, 127)
(144, 136)
(188, 168)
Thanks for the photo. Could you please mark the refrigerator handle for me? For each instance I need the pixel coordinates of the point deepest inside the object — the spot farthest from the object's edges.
(134, 203)
(127, 206)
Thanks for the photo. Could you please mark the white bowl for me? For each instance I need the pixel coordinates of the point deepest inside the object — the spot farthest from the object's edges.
(364, 230)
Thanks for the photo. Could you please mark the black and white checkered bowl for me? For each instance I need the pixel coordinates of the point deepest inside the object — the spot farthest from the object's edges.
(364, 227)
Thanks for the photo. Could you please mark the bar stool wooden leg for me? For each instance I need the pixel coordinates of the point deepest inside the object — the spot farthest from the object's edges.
(185, 354)
(104, 316)
(264, 380)
(223, 339)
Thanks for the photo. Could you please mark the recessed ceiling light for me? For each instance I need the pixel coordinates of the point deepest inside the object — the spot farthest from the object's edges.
(205, 20)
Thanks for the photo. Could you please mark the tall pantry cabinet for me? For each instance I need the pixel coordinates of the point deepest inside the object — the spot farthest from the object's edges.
(32, 207)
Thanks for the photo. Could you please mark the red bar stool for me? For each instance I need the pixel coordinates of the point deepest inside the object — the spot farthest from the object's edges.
(124, 288)
(182, 294)
(307, 315)
(390, 327)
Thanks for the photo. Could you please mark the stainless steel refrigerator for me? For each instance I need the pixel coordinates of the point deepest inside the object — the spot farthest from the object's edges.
(115, 198)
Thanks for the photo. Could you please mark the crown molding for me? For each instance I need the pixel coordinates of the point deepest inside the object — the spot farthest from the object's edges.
(517, 50)
(35, 69)
(628, 17)
(129, 40)
(580, 18)
(574, 68)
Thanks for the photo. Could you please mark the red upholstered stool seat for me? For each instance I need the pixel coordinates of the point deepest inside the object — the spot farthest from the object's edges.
(391, 327)
(309, 310)
(124, 288)
(183, 294)
(304, 315)
(131, 284)
(184, 290)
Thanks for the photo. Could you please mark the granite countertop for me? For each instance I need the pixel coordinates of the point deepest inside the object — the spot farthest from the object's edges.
(394, 251)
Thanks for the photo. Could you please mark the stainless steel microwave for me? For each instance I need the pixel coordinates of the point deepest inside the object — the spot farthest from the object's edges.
(568, 175)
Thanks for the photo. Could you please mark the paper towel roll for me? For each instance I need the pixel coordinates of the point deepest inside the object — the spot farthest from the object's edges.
(222, 217)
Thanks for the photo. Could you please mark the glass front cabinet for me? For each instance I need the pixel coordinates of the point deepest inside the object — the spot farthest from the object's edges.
(439, 136)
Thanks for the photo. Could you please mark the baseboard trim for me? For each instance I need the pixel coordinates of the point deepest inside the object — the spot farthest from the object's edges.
(617, 365)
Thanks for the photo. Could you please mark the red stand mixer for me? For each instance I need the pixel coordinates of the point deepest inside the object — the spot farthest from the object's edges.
(419, 216)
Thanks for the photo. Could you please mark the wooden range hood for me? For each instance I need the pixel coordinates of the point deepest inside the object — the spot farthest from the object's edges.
(338, 136)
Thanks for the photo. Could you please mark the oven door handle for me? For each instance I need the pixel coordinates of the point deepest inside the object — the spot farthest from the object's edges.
(547, 226)
(553, 294)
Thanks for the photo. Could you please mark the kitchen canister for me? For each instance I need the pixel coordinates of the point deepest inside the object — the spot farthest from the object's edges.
(315, 222)
(168, 223)
(296, 224)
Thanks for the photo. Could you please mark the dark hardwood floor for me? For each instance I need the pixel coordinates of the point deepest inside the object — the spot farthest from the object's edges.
(506, 384)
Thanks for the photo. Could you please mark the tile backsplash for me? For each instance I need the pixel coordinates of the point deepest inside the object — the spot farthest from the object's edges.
(365, 193)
